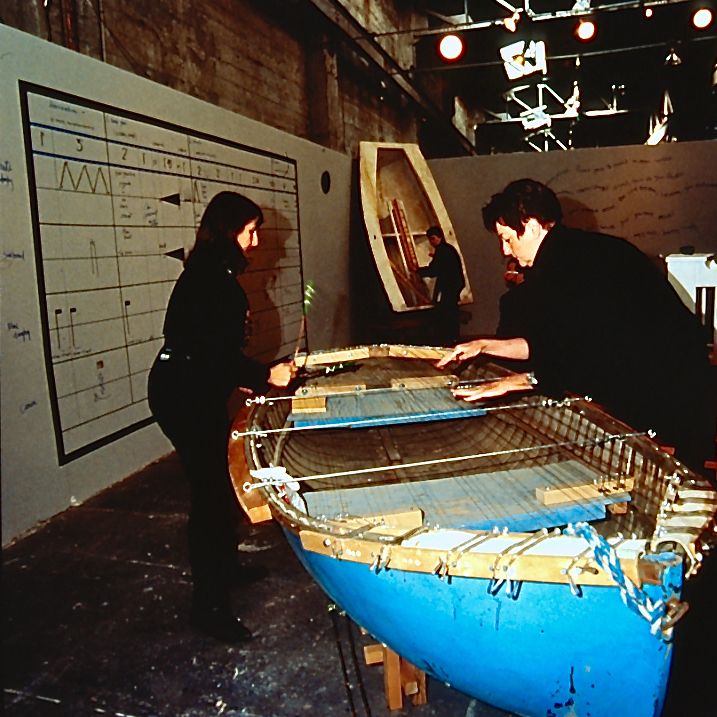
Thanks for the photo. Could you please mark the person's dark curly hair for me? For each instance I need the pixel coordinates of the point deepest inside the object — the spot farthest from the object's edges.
(520, 201)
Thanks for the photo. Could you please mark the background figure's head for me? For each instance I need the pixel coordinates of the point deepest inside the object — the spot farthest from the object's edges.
(226, 217)
(520, 201)
(435, 235)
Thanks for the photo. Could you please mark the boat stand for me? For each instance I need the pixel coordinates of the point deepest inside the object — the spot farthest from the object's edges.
(399, 676)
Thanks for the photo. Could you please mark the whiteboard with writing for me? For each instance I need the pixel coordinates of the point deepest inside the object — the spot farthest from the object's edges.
(117, 199)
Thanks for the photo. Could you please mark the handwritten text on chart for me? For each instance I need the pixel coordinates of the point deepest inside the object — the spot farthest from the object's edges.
(27, 406)
(17, 332)
(5, 171)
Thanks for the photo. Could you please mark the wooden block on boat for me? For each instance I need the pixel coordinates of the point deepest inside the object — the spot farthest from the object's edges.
(414, 382)
(430, 353)
(316, 404)
(397, 518)
(586, 491)
(617, 508)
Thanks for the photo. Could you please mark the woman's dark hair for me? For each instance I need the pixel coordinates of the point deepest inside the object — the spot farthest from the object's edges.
(225, 216)
(520, 201)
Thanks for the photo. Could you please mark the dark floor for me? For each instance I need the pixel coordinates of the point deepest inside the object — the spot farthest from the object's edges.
(96, 603)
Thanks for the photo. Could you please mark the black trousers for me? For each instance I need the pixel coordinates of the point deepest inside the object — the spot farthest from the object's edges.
(446, 323)
(198, 426)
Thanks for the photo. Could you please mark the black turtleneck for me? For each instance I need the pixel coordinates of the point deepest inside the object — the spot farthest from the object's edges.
(206, 321)
(601, 320)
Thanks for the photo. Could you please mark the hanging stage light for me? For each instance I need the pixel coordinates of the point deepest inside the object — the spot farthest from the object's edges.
(511, 23)
(648, 12)
(450, 48)
(673, 59)
(585, 30)
(702, 18)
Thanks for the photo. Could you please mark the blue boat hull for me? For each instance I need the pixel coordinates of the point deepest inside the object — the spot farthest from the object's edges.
(546, 653)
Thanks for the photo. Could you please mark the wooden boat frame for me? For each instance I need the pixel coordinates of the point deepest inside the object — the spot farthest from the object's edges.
(418, 207)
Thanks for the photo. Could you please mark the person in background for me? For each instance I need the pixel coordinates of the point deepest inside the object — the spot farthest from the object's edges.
(597, 318)
(192, 378)
(446, 267)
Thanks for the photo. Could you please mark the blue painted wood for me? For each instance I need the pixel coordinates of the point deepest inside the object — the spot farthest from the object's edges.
(363, 410)
(547, 653)
(479, 501)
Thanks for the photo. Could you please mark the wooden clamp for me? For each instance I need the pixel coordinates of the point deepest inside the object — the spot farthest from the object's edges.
(312, 398)
(399, 676)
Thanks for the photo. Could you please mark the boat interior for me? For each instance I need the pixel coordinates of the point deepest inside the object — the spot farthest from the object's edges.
(385, 435)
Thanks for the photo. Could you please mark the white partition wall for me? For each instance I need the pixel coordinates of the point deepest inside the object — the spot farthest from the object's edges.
(660, 198)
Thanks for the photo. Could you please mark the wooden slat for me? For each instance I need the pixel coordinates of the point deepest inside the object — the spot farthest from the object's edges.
(328, 389)
(419, 382)
(315, 404)
(404, 519)
(586, 491)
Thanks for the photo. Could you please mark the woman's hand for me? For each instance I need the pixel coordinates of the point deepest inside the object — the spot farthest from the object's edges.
(470, 349)
(282, 374)
(499, 387)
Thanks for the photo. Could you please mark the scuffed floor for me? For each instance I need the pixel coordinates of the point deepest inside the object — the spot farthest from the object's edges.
(95, 623)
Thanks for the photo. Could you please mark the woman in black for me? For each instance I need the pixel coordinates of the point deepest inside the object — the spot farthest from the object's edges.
(193, 376)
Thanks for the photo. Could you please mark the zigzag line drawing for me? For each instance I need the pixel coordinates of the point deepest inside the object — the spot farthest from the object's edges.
(84, 172)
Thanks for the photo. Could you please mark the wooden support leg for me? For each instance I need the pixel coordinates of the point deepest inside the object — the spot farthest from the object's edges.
(392, 679)
(399, 676)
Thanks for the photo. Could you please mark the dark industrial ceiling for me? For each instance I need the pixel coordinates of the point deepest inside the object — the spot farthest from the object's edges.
(624, 68)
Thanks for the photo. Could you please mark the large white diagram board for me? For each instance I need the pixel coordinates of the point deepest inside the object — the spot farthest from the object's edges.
(104, 177)
(117, 200)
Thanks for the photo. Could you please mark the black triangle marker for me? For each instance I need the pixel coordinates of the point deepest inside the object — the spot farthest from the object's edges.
(176, 254)
(172, 199)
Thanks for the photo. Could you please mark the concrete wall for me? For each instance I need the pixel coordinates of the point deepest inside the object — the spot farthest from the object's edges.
(660, 198)
(279, 62)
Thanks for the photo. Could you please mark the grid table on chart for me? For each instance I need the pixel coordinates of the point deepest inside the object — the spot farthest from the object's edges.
(116, 196)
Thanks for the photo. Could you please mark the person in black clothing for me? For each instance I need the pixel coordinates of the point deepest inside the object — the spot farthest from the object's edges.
(597, 318)
(190, 383)
(446, 267)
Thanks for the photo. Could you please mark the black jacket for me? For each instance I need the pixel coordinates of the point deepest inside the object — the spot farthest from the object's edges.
(446, 267)
(601, 320)
(205, 329)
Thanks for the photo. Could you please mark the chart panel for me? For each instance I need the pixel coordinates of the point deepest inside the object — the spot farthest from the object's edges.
(117, 199)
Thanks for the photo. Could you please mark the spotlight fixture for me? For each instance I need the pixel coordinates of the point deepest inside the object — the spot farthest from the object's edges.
(673, 58)
(450, 48)
(521, 59)
(702, 18)
(585, 30)
(648, 12)
(511, 23)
